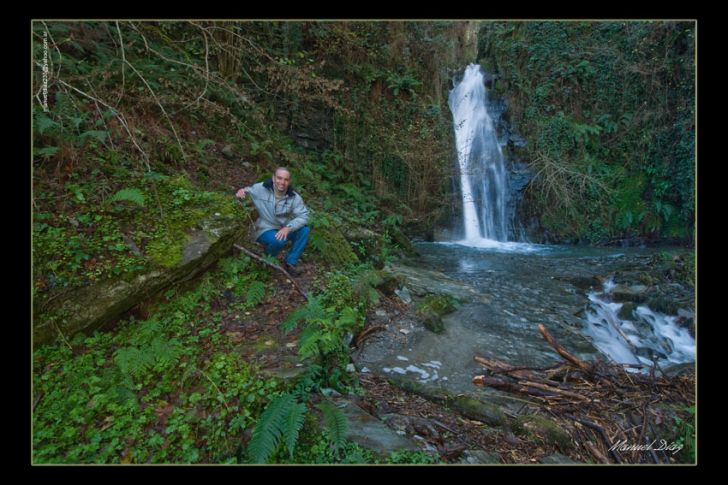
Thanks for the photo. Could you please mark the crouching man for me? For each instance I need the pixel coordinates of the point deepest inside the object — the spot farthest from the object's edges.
(282, 217)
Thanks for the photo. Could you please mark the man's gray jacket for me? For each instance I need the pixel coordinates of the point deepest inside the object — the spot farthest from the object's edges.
(289, 211)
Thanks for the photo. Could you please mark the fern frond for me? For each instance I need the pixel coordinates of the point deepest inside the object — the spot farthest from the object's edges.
(146, 332)
(133, 361)
(308, 341)
(335, 422)
(318, 243)
(132, 195)
(292, 425)
(165, 351)
(267, 431)
(312, 311)
(256, 293)
(348, 320)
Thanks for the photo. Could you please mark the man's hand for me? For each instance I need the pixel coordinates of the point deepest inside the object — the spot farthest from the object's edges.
(283, 233)
(240, 193)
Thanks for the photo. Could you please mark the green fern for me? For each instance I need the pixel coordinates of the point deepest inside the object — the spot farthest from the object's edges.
(165, 351)
(335, 422)
(132, 195)
(292, 425)
(308, 341)
(145, 332)
(149, 349)
(256, 293)
(282, 419)
(312, 311)
(133, 361)
(318, 243)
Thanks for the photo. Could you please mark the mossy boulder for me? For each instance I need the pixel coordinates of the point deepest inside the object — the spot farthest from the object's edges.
(398, 237)
(441, 305)
(388, 282)
(90, 307)
(473, 408)
(542, 431)
(330, 245)
(432, 308)
(468, 406)
(367, 244)
(627, 311)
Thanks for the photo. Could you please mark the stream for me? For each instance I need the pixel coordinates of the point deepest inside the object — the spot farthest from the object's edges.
(506, 289)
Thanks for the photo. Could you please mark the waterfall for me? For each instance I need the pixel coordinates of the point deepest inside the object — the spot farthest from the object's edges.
(482, 171)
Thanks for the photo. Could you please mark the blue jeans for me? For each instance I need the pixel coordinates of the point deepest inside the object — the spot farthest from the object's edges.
(273, 246)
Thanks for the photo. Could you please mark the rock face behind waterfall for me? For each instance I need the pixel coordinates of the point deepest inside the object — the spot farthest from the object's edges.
(91, 307)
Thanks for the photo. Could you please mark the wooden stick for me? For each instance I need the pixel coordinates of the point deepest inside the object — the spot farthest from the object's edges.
(498, 383)
(615, 454)
(546, 387)
(365, 333)
(597, 454)
(562, 351)
(276, 267)
(496, 366)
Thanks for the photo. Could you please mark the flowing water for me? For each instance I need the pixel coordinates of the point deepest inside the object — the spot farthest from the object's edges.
(513, 287)
(480, 161)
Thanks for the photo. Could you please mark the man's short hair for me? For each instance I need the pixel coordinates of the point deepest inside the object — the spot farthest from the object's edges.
(281, 168)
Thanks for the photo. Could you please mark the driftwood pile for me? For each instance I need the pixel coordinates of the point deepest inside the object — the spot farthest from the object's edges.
(612, 415)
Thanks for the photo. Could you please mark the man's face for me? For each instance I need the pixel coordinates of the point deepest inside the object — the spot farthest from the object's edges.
(281, 180)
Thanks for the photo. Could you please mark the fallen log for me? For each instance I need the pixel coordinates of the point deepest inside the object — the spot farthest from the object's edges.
(502, 384)
(276, 267)
(562, 351)
(499, 367)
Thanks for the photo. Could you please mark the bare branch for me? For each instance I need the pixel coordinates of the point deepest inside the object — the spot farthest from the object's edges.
(154, 95)
(123, 59)
(119, 116)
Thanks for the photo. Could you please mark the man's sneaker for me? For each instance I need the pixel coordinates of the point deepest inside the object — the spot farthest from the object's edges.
(291, 269)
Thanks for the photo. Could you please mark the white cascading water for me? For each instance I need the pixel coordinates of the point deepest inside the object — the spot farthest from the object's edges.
(650, 337)
(482, 170)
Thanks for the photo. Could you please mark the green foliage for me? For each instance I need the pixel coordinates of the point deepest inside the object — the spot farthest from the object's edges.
(150, 350)
(281, 420)
(608, 102)
(328, 242)
(402, 82)
(132, 195)
(412, 457)
(256, 293)
(324, 335)
(439, 304)
(335, 422)
(684, 429)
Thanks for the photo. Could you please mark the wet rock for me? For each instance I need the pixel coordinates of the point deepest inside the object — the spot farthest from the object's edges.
(370, 432)
(479, 457)
(424, 282)
(389, 283)
(404, 295)
(433, 322)
(663, 305)
(582, 282)
(679, 369)
(627, 310)
(557, 459)
(227, 152)
(626, 293)
(473, 408)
